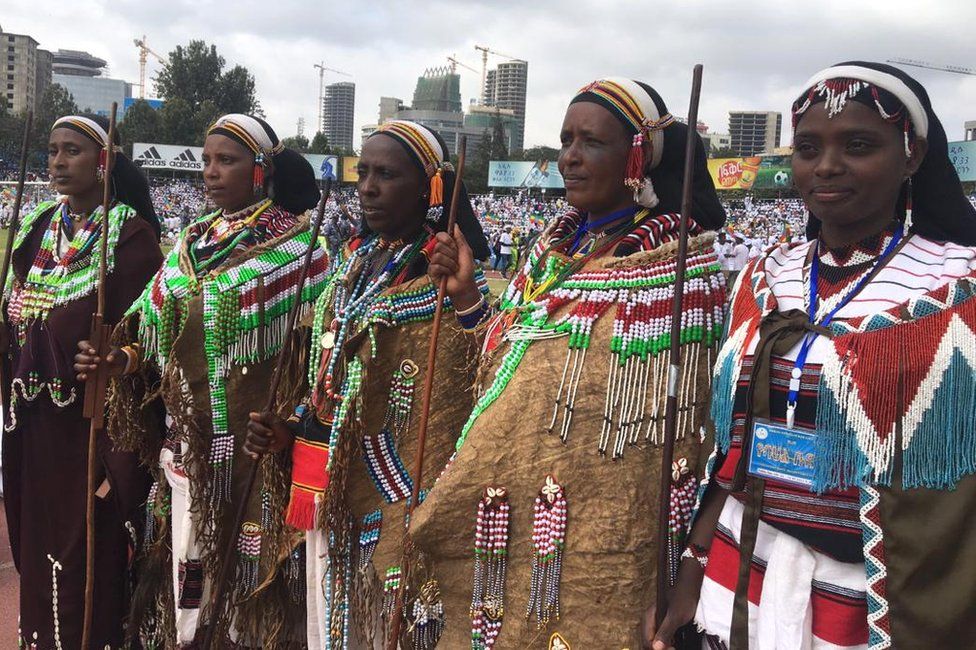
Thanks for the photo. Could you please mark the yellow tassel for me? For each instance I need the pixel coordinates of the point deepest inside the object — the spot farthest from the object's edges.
(436, 189)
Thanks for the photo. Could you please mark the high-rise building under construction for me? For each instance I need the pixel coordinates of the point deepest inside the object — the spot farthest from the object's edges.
(505, 87)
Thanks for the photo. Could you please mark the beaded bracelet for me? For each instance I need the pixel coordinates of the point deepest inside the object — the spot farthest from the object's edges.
(698, 553)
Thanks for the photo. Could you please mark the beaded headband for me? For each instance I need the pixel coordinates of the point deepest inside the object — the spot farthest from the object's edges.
(423, 145)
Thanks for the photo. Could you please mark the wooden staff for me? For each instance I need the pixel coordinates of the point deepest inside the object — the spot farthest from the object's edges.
(674, 361)
(8, 251)
(228, 561)
(418, 471)
(94, 407)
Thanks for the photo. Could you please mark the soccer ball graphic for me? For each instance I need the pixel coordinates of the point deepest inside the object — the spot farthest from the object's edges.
(782, 177)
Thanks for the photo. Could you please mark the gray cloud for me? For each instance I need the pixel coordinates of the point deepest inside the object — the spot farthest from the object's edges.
(756, 53)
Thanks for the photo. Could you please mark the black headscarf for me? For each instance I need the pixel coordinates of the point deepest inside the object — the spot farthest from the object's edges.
(129, 184)
(467, 222)
(293, 184)
(667, 176)
(940, 209)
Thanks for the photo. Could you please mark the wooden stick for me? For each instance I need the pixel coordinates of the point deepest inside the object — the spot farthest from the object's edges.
(418, 471)
(674, 361)
(8, 251)
(94, 408)
(228, 561)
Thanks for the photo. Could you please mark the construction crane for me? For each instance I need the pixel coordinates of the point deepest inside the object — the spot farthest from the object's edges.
(485, 51)
(144, 52)
(956, 69)
(455, 63)
(322, 70)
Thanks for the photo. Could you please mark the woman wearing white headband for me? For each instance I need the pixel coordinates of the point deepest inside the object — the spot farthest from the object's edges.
(554, 481)
(839, 513)
(204, 337)
(51, 294)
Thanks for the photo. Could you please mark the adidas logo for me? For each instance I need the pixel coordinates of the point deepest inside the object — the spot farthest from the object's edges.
(186, 161)
(151, 158)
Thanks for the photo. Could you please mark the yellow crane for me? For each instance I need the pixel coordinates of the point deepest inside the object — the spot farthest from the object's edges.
(485, 51)
(322, 70)
(144, 52)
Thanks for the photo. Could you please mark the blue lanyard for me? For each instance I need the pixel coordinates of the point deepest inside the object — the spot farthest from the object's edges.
(586, 226)
(801, 358)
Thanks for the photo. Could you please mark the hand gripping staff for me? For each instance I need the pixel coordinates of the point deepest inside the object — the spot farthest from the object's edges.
(228, 560)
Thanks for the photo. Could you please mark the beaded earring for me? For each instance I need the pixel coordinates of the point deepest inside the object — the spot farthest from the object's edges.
(490, 566)
(908, 204)
(258, 177)
(548, 541)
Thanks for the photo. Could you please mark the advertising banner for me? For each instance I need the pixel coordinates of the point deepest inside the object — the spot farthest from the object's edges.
(734, 173)
(775, 173)
(963, 157)
(531, 175)
(151, 156)
(349, 173)
(325, 166)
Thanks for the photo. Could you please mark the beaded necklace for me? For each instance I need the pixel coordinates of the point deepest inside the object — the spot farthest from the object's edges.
(350, 306)
(52, 280)
(245, 313)
(641, 333)
(228, 233)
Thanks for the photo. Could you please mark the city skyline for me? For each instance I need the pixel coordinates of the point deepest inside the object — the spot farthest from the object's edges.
(754, 60)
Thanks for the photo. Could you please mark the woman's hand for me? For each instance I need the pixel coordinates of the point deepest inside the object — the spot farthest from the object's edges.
(266, 433)
(452, 258)
(682, 603)
(87, 361)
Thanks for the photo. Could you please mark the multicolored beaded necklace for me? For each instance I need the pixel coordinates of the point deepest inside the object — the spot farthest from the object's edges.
(245, 313)
(641, 333)
(54, 280)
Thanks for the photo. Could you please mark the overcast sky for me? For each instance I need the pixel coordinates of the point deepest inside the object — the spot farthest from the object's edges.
(757, 53)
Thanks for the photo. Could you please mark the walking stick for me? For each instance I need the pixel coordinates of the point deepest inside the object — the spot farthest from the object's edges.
(228, 561)
(674, 361)
(418, 471)
(94, 407)
(8, 251)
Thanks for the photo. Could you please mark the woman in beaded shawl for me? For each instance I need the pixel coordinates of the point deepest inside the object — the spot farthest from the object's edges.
(204, 337)
(50, 299)
(553, 482)
(353, 442)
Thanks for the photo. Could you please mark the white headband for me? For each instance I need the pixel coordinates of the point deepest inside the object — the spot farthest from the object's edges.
(254, 129)
(94, 126)
(650, 111)
(889, 82)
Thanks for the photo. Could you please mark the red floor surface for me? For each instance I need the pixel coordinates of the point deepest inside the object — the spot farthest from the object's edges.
(9, 598)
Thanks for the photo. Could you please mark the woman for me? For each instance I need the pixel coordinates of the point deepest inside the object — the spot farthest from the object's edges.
(204, 336)
(356, 435)
(853, 348)
(51, 296)
(570, 418)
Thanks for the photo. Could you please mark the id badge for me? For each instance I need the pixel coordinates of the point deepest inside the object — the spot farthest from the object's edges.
(782, 453)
